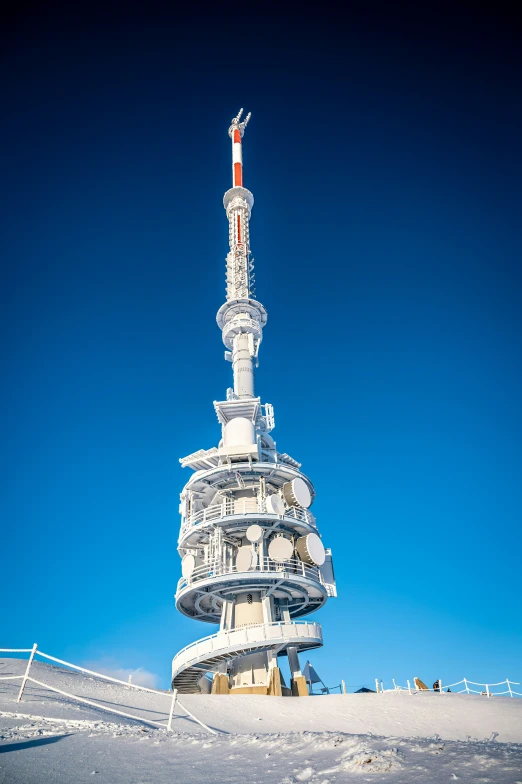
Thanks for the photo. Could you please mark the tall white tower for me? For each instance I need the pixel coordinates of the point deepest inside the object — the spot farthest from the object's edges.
(252, 558)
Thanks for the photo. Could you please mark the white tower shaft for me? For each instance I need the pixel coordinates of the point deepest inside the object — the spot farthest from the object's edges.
(243, 366)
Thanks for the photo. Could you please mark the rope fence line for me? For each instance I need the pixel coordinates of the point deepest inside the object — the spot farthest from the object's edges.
(97, 674)
(15, 650)
(95, 704)
(173, 696)
(486, 691)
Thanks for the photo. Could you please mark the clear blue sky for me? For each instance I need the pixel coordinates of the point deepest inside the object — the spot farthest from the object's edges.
(384, 156)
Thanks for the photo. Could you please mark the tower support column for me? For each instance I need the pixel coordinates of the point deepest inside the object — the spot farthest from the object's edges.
(227, 615)
(243, 366)
(298, 681)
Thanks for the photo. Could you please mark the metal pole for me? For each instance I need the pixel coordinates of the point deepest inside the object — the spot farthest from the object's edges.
(409, 687)
(382, 686)
(22, 687)
(377, 685)
(487, 690)
(343, 684)
(440, 686)
(172, 704)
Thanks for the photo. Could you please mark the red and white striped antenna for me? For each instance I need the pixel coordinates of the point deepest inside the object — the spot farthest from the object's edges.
(236, 132)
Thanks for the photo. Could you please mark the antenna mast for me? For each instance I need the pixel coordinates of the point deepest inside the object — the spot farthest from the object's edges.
(241, 319)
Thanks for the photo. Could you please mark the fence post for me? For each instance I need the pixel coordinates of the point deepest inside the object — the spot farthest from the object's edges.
(409, 687)
(440, 686)
(344, 687)
(487, 690)
(172, 704)
(22, 687)
(382, 687)
(377, 685)
(394, 684)
(466, 685)
(509, 687)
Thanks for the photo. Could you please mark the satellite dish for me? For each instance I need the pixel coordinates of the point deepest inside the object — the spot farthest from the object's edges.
(188, 564)
(311, 550)
(296, 493)
(254, 533)
(246, 559)
(280, 549)
(274, 504)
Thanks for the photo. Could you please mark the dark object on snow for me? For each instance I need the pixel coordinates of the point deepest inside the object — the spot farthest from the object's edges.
(364, 690)
(436, 686)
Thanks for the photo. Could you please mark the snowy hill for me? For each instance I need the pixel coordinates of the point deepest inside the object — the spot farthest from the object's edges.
(396, 737)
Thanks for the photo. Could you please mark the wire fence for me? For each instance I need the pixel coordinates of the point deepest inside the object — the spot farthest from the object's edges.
(485, 689)
(26, 678)
(417, 686)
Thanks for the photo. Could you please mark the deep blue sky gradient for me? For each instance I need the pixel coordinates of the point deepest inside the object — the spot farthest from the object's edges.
(384, 156)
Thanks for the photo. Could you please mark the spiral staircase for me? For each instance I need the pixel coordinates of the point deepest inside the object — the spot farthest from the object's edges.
(213, 652)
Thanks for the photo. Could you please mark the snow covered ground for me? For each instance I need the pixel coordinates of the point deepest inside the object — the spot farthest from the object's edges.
(391, 737)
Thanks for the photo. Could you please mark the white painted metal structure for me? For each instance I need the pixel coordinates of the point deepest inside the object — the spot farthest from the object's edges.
(252, 557)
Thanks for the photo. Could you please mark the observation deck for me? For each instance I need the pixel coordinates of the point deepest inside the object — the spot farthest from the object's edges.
(232, 514)
(302, 586)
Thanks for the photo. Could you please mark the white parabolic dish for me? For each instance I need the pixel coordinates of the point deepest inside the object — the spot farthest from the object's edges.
(254, 533)
(274, 504)
(188, 564)
(311, 549)
(246, 559)
(280, 549)
(296, 493)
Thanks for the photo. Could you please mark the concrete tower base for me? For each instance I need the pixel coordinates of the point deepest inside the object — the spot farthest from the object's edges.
(220, 685)
(249, 690)
(274, 686)
(299, 687)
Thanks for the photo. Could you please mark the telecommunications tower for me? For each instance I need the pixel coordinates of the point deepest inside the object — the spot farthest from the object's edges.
(252, 558)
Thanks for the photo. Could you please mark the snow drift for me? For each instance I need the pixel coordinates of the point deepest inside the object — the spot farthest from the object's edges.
(268, 740)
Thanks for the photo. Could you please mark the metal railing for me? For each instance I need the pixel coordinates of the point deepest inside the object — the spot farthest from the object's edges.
(244, 506)
(249, 636)
(287, 568)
